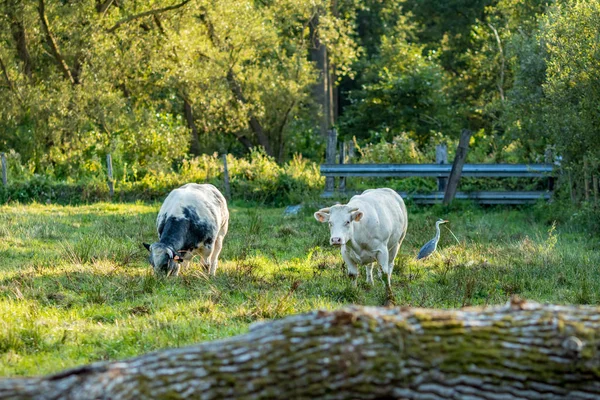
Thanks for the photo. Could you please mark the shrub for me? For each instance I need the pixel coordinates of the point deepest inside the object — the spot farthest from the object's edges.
(256, 178)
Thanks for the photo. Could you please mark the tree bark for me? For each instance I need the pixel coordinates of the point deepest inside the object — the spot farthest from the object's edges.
(459, 160)
(189, 117)
(518, 351)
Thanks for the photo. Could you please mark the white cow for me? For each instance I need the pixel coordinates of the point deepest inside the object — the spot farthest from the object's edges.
(369, 228)
(193, 218)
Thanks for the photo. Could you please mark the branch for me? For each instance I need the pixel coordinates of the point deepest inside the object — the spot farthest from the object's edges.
(145, 14)
(6, 77)
(62, 64)
(521, 350)
(235, 86)
(501, 51)
(102, 7)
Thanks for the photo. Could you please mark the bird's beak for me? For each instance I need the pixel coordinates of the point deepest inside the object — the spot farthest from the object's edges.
(446, 220)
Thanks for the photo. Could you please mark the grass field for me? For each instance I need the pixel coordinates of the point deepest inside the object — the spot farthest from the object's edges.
(75, 285)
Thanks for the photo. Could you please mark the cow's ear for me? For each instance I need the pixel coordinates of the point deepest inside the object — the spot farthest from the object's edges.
(357, 215)
(147, 246)
(178, 258)
(321, 216)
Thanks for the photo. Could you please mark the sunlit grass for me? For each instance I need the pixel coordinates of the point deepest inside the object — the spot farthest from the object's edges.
(75, 285)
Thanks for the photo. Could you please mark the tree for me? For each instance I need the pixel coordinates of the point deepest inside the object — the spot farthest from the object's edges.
(402, 90)
(572, 88)
(145, 81)
(522, 350)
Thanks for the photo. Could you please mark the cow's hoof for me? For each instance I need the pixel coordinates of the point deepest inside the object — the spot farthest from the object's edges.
(353, 279)
(390, 299)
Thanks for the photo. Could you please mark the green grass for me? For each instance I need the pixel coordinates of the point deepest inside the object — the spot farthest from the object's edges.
(75, 286)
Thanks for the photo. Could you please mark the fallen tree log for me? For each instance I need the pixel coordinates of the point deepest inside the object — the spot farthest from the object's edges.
(518, 351)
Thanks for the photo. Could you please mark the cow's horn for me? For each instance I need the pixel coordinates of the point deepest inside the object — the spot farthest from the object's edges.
(354, 209)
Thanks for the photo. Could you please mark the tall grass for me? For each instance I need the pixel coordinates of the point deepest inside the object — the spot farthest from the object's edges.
(257, 178)
(76, 287)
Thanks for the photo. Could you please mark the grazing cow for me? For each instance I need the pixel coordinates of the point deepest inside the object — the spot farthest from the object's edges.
(369, 228)
(192, 218)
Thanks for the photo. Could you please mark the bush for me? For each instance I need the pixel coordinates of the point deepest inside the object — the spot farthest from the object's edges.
(257, 178)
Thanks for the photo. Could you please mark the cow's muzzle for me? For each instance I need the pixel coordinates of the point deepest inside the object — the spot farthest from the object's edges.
(335, 241)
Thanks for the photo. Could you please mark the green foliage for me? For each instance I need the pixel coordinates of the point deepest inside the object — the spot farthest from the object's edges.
(572, 89)
(401, 150)
(76, 286)
(402, 91)
(150, 88)
(255, 178)
(156, 83)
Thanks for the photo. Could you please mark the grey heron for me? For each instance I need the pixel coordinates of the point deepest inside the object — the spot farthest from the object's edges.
(429, 247)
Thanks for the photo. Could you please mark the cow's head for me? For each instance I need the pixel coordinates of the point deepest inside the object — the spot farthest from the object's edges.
(341, 220)
(163, 258)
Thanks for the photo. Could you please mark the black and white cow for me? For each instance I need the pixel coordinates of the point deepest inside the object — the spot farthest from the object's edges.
(193, 219)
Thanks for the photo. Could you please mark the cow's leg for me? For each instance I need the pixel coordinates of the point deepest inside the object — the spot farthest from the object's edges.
(352, 269)
(383, 258)
(205, 253)
(370, 273)
(392, 255)
(214, 257)
(175, 270)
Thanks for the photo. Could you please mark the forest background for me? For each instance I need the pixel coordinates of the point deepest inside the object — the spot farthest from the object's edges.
(165, 87)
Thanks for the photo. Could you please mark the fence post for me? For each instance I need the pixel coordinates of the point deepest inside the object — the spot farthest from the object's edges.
(330, 158)
(342, 181)
(595, 186)
(4, 170)
(441, 157)
(226, 178)
(457, 165)
(548, 160)
(111, 184)
(586, 179)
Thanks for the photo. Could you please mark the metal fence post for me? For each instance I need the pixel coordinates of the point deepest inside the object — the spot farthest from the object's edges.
(342, 181)
(111, 184)
(4, 170)
(226, 178)
(548, 160)
(441, 157)
(330, 158)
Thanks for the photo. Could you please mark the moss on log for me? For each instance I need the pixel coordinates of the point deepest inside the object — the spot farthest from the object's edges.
(518, 351)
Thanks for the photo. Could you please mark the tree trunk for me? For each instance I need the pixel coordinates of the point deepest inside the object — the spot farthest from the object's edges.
(318, 54)
(521, 350)
(189, 117)
(18, 33)
(255, 124)
(459, 160)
